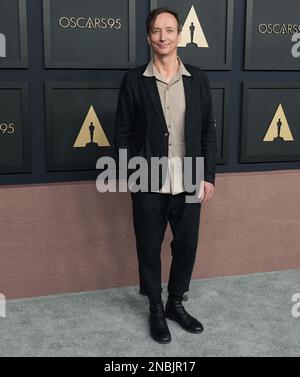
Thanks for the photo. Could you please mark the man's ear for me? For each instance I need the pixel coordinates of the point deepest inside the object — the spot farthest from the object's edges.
(148, 39)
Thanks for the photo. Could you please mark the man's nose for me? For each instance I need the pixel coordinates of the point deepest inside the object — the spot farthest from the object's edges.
(163, 36)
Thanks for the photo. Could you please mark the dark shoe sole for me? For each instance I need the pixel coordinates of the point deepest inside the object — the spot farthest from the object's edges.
(161, 341)
(172, 318)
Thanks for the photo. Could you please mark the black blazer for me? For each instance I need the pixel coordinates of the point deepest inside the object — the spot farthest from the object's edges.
(140, 125)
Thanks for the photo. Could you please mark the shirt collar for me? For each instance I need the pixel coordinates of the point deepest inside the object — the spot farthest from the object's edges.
(151, 70)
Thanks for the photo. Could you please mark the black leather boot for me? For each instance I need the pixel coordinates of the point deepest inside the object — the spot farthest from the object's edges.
(158, 325)
(176, 312)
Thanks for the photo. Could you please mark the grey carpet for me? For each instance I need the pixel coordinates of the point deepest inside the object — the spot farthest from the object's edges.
(242, 315)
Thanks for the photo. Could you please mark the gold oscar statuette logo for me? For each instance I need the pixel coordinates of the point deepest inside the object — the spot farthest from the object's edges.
(91, 133)
(192, 32)
(2, 46)
(279, 130)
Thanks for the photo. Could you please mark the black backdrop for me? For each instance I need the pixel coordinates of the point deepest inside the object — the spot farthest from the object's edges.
(37, 75)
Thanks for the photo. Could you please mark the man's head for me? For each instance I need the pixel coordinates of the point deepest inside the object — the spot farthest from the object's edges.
(164, 31)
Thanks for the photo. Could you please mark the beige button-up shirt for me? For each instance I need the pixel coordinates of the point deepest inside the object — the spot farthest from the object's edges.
(172, 98)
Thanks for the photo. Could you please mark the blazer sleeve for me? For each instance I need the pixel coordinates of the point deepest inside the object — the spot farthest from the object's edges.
(209, 134)
(125, 117)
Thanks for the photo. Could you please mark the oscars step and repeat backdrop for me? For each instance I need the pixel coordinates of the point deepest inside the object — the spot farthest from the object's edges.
(250, 50)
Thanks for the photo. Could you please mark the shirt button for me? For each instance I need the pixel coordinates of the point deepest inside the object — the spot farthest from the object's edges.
(167, 134)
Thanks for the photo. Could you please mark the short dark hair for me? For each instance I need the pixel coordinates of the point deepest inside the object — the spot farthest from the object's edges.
(156, 12)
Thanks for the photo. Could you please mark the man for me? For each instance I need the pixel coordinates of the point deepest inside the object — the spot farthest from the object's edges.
(165, 110)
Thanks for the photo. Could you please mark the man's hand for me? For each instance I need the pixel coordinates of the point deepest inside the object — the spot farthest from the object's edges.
(207, 189)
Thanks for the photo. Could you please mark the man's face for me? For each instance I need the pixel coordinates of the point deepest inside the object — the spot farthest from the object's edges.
(164, 36)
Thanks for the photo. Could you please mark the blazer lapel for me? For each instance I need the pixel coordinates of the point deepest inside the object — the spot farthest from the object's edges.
(153, 92)
(188, 82)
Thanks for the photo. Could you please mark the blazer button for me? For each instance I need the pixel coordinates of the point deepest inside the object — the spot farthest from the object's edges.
(167, 134)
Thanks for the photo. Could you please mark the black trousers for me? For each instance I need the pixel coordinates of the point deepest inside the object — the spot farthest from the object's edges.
(151, 214)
